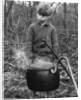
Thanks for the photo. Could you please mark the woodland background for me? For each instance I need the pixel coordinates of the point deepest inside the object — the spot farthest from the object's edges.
(17, 18)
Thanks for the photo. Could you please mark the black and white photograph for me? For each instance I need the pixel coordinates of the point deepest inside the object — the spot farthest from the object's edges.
(40, 49)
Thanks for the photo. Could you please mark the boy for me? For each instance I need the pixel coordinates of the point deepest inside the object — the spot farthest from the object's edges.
(40, 30)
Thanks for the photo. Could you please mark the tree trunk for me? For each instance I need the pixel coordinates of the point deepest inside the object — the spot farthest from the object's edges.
(64, 23)
(4, 17)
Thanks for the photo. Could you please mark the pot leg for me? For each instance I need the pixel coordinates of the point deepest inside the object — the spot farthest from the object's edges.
(47, 94)
(34, 94)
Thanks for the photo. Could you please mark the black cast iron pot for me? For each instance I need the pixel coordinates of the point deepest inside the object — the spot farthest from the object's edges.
(42, 78)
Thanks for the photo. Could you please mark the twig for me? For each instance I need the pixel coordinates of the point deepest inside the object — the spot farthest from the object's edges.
(55, 8)
(7, 13)
(73, 79)
(52, 3)
(11, 31)
(64, 92)
(9, 64)
(68, 30)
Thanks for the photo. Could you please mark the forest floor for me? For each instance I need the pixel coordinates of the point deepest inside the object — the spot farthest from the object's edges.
(15, 86)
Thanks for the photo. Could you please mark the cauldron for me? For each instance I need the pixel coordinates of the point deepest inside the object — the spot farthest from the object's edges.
(42, 78)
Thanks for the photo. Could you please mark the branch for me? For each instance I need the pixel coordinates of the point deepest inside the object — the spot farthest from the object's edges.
(11, 31)
(52, 3)
(9, 64)
(55, 8)
(7, 13)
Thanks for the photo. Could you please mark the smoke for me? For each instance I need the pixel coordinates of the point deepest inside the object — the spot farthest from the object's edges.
(22, 62)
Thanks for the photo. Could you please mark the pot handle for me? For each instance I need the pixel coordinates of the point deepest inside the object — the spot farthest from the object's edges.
(54, 68)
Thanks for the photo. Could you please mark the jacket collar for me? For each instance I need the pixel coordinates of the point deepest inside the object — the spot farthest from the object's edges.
(43, 23)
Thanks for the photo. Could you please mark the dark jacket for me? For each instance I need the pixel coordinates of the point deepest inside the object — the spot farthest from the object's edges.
(36, 33)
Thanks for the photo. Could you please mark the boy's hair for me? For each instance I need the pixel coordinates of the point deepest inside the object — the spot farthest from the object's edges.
(44, 9)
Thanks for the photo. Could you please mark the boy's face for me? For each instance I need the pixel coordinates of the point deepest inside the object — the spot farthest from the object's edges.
(41, 18)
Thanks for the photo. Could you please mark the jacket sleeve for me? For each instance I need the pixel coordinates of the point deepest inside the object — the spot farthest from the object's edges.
(29, 43)
(54, 39)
